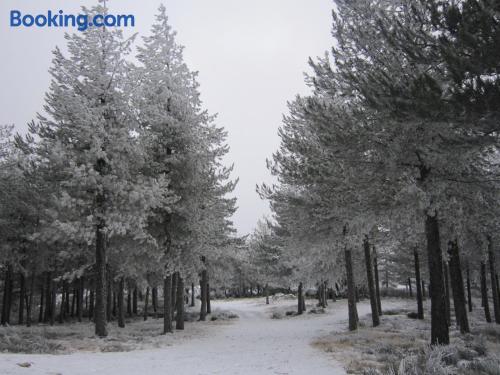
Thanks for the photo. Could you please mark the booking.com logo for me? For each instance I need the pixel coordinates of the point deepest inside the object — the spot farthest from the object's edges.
(80, 21)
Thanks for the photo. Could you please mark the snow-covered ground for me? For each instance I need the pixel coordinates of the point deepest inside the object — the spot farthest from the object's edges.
(252, 344)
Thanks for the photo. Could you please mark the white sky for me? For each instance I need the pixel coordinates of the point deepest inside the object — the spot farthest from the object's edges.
(250, 55)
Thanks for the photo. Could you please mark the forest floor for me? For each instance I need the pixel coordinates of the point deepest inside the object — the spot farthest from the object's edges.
(263, 340)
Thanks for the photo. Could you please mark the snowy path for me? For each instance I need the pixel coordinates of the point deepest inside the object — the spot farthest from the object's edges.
(253, 344)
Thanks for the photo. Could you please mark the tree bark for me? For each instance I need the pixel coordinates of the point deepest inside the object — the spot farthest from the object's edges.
(484, 293)
(371, 285)
(146, 302)
(469, 293)
(174, 294)
(22, 296)
(267, 294)
(91, 304)
(53, 295)
(351, 292)
(420, 304)
(129, 302)
(7, 296)
(203, 295)
(494, 290)
(377, 281)
(457, 286)
(134, 301)
(409, 288)
(423, 290)
(154, 300)
(100, 319)
(48, 298)
(42, 294)
(63, 303)
(179, 319)
(209, 307)
(81, 289)
(447, 292)
(167, 304)
(300, 304)
(121, 307)
(29, 305)
(439, 324)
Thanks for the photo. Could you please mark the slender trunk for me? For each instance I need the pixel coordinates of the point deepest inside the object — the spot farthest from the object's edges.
(179, 321)
(300, 304)
(423, 290)
(22, 296)
(325, 294)
(377, 282)
(457, 286)
(494, 289)
(146, 302)
(74, 300)
(115, 301)
(167, 304)
(192, 294)
(91, 305)
(100, 319)
(439, 324)
(371, 285)
(63, 303)
(267, 294)
(154, 300)
(67, 307)
(174, 293)
(447, 292)
(484, 293)
(121, 307)
(203, 295)
(48, 298)
(7, 297)
(42, 294)
(410, 288)
(351, 292)
(81, 289)
(129, 302)
(109, 296)
(469, 294)
(29, 305)
(134, 301)
(53, 295)
(420, 304)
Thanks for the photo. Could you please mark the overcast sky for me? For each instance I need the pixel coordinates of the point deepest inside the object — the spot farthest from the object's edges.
(250, 55)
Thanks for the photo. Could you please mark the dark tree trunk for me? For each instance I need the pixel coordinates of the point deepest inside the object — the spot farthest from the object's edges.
(174, 294)
(203, 295)
(29, 305)
(91, 305)
(129, 302)
(371, 285)
(81, 289)
(115, 301)
(420, 304)
(53, 295)
(439, 324)
(22, 296)
(134, 302)
(423, 290)
(67, 307)
(377, 281)
(447, 292)
(469, 294)
(351, 292)
(100, 319)
(121, 307)
(325, 293)
(179, 321)
(167, 304)
(48, 298)
(192, 294)
(154, 300)
(267, 294)
(484, 293)
(7, 296)
(209, 307)
(146, 302)
(109, 299)
(409, 288)
(494, 289)
(73, 302)
(457, 286)
(42, 294)
(63, 303)
(300, 304)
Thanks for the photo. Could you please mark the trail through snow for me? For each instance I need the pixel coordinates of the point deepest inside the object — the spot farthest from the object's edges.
(253, 344)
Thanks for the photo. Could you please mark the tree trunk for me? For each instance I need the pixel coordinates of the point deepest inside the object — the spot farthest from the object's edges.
(63, 303)
(81, 289)
(22, 296)
(447, 292)
(351, 292)
(53, 295)
(439, 324)
(129, 302)
(121, 307)
(74, 300)
(209, 307)
(410, 288)
(484, 293)
(7, 296)
(100, 318)
(42, 294)
(192, 294)
(167, 304)
(203, 295)
(377, 282)
(469, 294)
(179, 321)
(300, 304)
(371, 285)
(29, 305)
(267, 294)
(146, 302)
(174, 294)
(154, 300)
(134, 301)
(423, 290)
(494, 289)
(91, 304)
(457, 286)
(115, 302)
(420, 304)
(48, 298)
